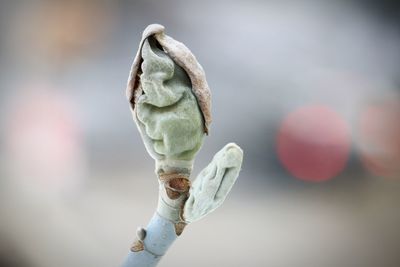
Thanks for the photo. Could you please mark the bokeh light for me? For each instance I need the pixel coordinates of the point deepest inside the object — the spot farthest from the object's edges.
(43, 140)
(69, 30)
(313, 143)
(379, 138)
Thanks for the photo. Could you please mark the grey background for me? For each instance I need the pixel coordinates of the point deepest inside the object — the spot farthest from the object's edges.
(74, 189)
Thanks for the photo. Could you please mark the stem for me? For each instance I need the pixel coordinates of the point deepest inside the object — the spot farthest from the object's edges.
(159, 236)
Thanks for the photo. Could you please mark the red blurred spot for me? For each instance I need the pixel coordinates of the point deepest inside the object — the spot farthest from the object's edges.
(379, 138)
(313, 143)
(43, 140)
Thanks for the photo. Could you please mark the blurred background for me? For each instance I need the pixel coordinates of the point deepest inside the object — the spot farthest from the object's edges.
(308, 89)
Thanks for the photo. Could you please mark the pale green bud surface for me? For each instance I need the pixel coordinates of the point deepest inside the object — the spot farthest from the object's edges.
(167, 112)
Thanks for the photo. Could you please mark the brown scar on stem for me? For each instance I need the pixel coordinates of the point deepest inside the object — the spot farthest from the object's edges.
(165, 177)
(137, 246)
(172, 194)
(179, 227)
(177, 185)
